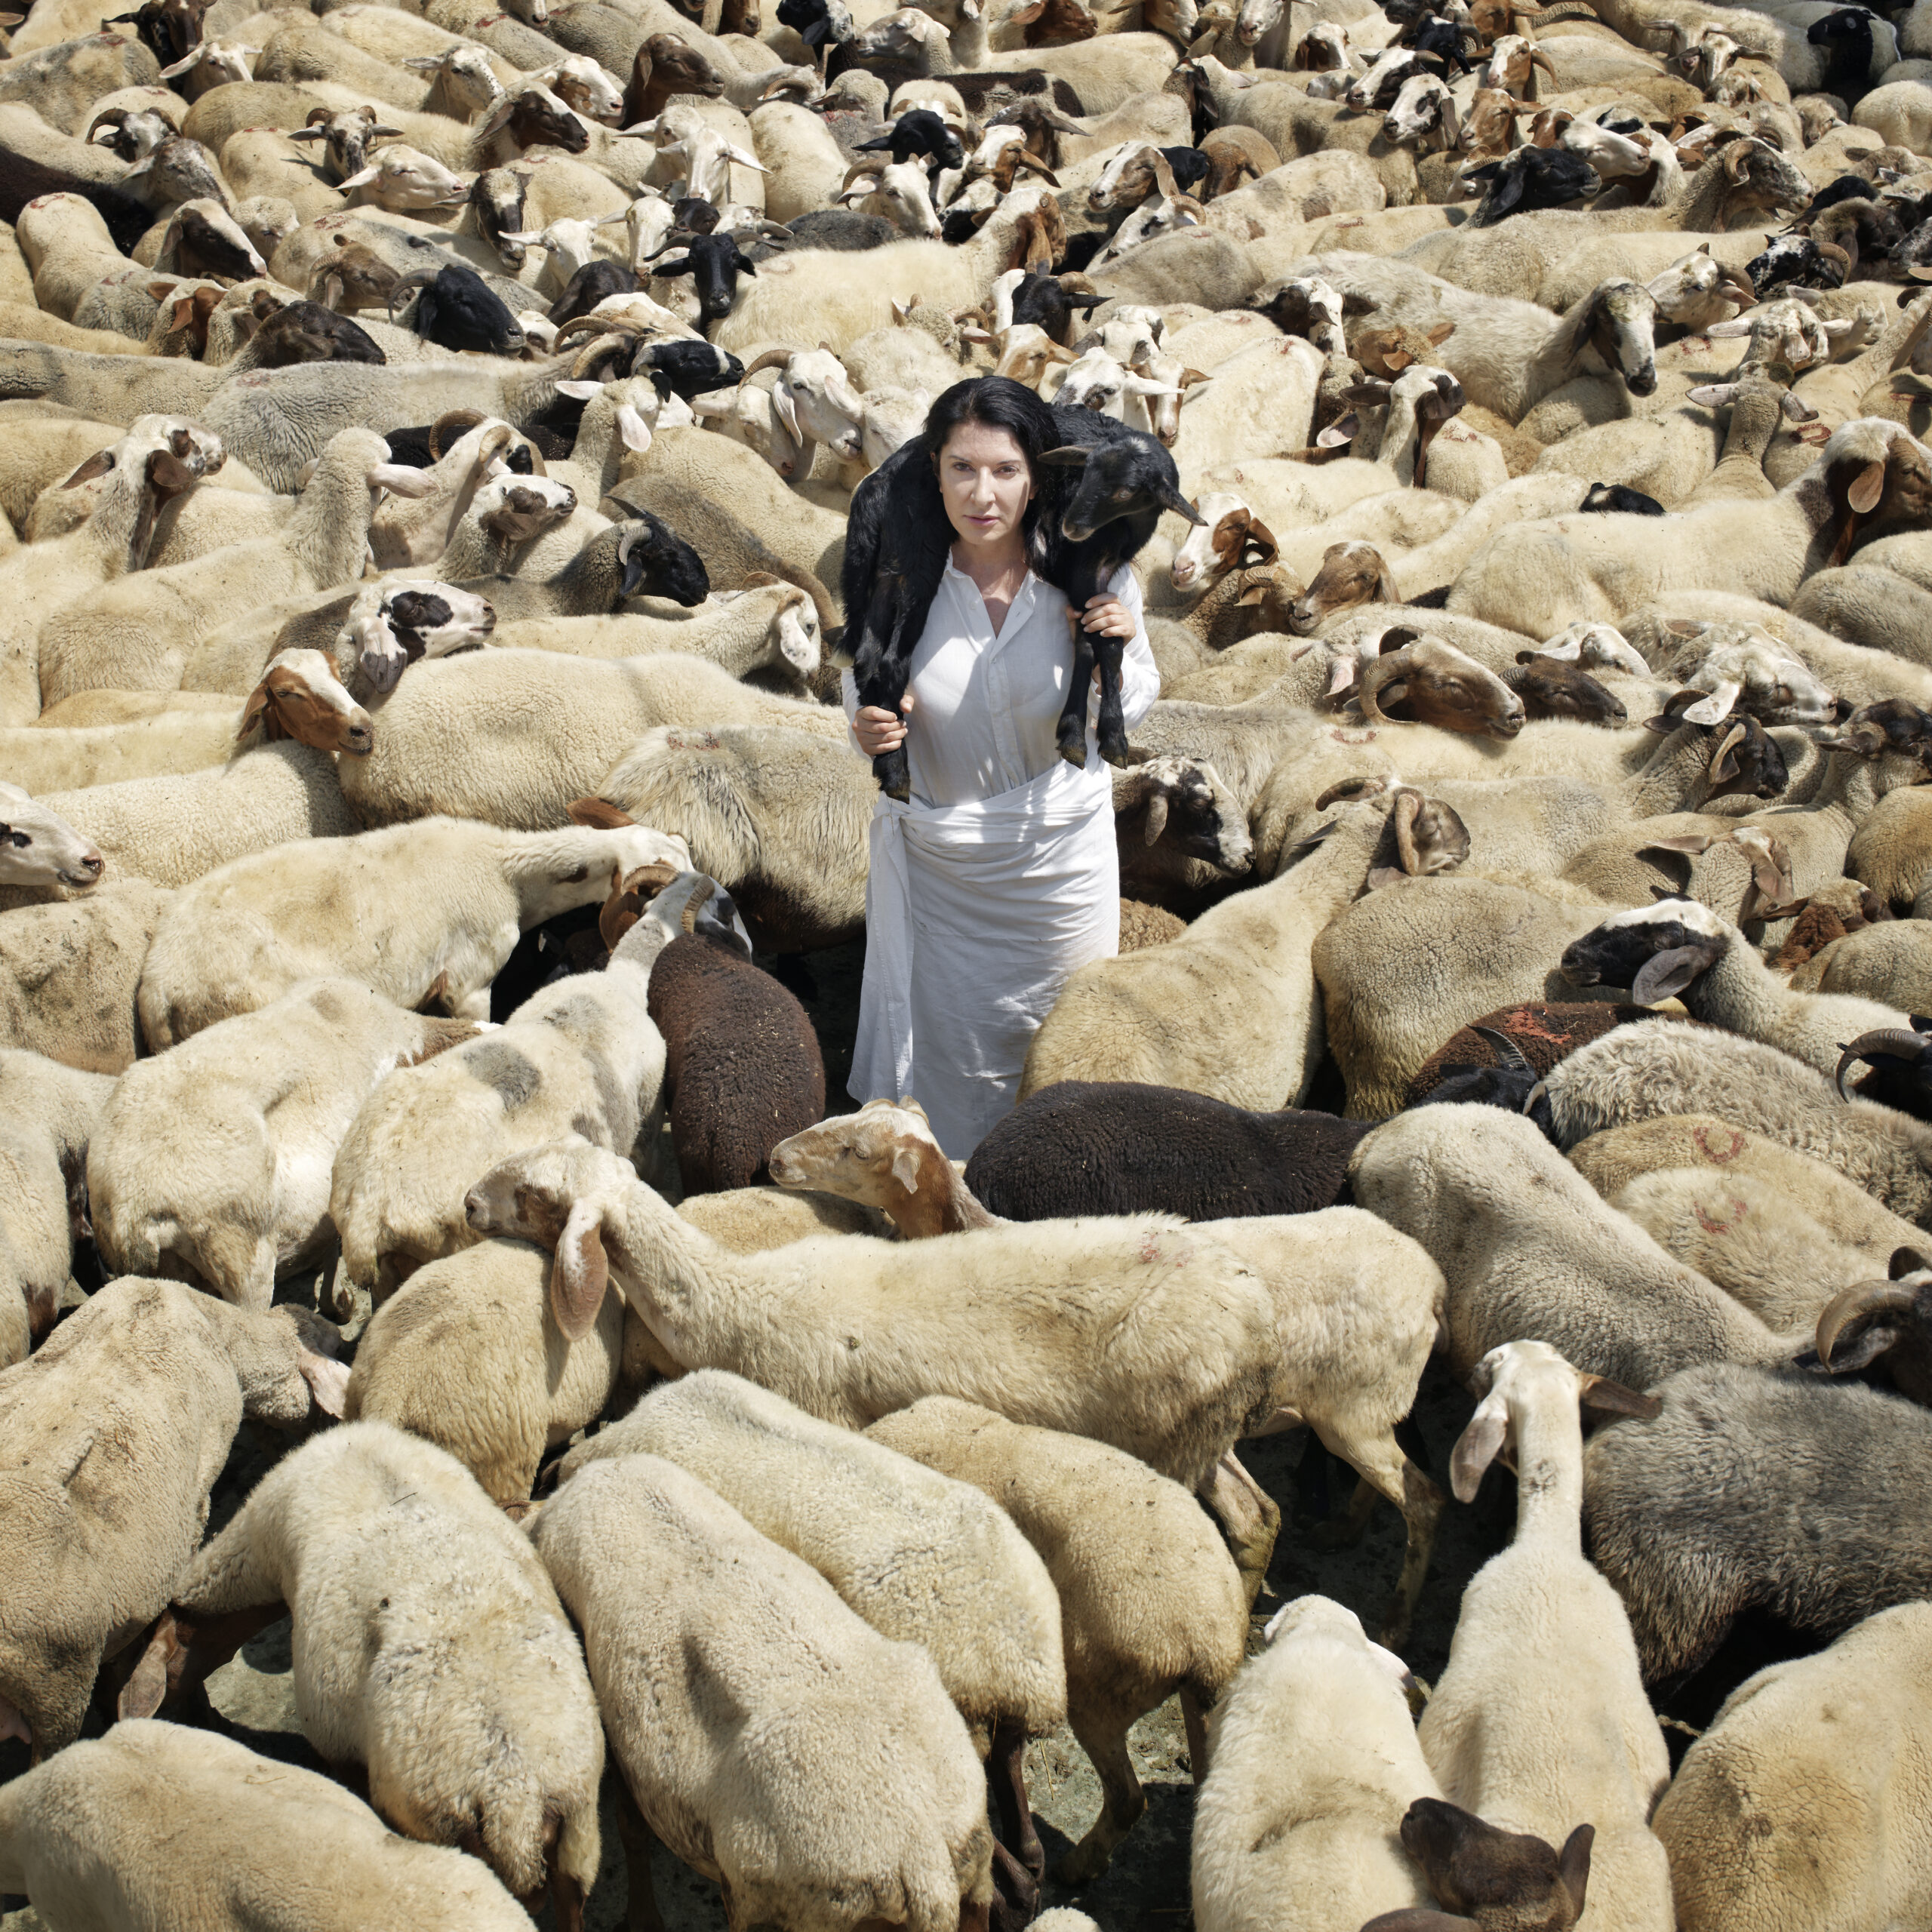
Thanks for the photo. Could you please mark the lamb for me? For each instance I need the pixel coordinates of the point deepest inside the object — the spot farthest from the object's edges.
(1097, 1517)
(211, 1162)
(1757, 1487)
(69, 974)
(1323, 1378)
(1540, 1718)
(1029, 1312)
(513, 736)
(48, 1112)
(135, 635)
(580, 1057)
(440, 900)
(160, 1377)
(154, 1823)
(834, 1785)
(922, 1557)
(518, 1387)
(1571, 1272)
(39, 848)
(429, 1648)
(1678, 947)
(1655, 1067)
(1841, 1726)
(1315, 1762)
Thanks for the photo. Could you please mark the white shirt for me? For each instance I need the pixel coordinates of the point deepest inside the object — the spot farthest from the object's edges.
(1000, 878)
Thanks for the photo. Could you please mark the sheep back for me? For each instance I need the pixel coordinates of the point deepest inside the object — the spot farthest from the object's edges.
(69, 973)
(742, 1063)
(1756, 1487)
(1120, 1147)
(1544, 1032)
(467, 1356)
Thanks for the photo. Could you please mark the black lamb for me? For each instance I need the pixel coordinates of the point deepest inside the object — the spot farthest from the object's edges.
(1103, 492)
(921, 133)
(1847, 33)
(741, 1066)
(1619, 499)
(1532, 178)
(1119, 1147)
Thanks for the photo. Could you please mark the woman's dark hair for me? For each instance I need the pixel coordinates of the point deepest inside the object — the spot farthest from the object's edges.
(1000, 403)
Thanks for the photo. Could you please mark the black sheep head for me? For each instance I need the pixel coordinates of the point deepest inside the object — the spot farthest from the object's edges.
(1118, 478)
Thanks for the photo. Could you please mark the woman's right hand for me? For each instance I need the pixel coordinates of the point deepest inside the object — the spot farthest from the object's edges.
(878, 731)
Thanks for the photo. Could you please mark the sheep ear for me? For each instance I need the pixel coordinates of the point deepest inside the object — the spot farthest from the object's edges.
(99, 464)
(1340, 432)
(905, 1168)
(578, 392)
(632, 429)
(1478, 1446)
(251, 715)
(1664, 975)
(327, 1380)
(399, 479)
(1612, 1398)
(1716, 708)
(1866, 487)
(599, 814)
(579, 1275)
(1905, 1261)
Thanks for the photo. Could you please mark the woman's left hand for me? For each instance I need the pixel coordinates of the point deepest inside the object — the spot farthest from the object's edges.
(1108, 617)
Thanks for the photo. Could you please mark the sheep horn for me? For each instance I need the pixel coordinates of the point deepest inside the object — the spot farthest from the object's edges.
(407, 287)
(772, 358)
(1157, 818)
(459, 420)
(1897, 1041)
(1408, 807)
(1384, 670)
(1507, 1054)
(1862, 1298)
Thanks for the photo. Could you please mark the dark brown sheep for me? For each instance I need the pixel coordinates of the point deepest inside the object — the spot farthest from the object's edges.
(742, 1069)
(1543, 1031)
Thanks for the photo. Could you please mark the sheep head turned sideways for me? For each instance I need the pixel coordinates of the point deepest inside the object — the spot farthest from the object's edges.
(1352, 573)
(878, 1156)
(1656, 951)
(1430, 838)
(1442, 686)
(300, 697)
(1187, 804)
(1893, 724)
(1884, 1324)
(1486, 1879)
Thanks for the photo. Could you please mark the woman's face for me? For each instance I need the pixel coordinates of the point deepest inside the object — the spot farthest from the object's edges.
(983, 475)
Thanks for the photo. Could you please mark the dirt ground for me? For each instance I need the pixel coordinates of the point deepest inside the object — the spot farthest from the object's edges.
(1146, 1889)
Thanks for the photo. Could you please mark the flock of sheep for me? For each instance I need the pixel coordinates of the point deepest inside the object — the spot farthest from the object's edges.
(428, 436)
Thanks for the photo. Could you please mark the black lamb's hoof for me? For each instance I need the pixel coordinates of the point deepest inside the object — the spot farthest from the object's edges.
(893, 771)
(1116, 752)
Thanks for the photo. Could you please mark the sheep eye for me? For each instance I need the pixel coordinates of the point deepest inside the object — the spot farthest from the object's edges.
(22, 838)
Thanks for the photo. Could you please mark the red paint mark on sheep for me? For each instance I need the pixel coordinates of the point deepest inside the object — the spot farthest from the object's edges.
(1701, 1135)
(1720, 1223)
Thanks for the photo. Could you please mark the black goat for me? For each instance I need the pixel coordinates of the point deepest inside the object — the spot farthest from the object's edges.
(1619, 499)
(1848, 69)
(921, 132)
(1441, 39)
(686, 368)
(714, 263)
(1102, 494)
(457, 309)
(1901, 1064)
(1797, 261)
(814, 21)
(641, 557)
(594, 282)
(1045, 300)
(1532, 178)
(1119, 1147)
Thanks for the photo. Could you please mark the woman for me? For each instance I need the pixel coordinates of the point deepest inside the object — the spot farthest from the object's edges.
(1000, 876)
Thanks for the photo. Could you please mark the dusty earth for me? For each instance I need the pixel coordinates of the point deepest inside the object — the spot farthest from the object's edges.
(1146, 1888)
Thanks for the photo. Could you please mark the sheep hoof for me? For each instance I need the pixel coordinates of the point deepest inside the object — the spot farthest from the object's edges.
(1075, 754)
(1082, 1865)
(1117, 754)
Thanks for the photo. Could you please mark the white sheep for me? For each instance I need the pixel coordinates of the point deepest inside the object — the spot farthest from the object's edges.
(581, 1057)
(429, 1647)
(517, 1386)
(155, 1824)
(39, 848)
(923, 1558)
(1314, 1762)
(773, 1741)
(212, 1161)
(1540, 1722)
(1137, 1331)
(435, 904)
(157, 1379)
(1150, 1602)
(69, 973)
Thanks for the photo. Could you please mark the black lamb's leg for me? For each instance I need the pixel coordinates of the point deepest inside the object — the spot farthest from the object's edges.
(1110, 652)
(880, 668)
(1071, 732)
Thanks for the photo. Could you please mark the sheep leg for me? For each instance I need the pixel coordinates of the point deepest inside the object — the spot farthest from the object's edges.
(1006, 1765)
(1194, 1719)
(1071, 733)
(1345, 1532)
(1110, 727)
(1249, 1520)
(638, 1840)
(1102, 1735)
(1382, 1465)
(1016, 1895)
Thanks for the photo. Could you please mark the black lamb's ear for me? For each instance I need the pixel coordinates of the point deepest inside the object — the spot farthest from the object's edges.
(1073, 455)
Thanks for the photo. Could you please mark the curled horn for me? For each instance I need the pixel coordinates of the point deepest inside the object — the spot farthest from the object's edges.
(1383, 671)
(407, 287)
(1900, 1041)
(1731, 738)
(1408, 807)
(772, 358)
(453, 423)
(1352, 791)
(1157, 816)
(1507, 1053)
(1861, 1299)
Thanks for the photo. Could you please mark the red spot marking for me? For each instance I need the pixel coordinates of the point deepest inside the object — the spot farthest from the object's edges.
(1344, 734)
(1719, 1224)
(1150, 1248)
(1701, 1136)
